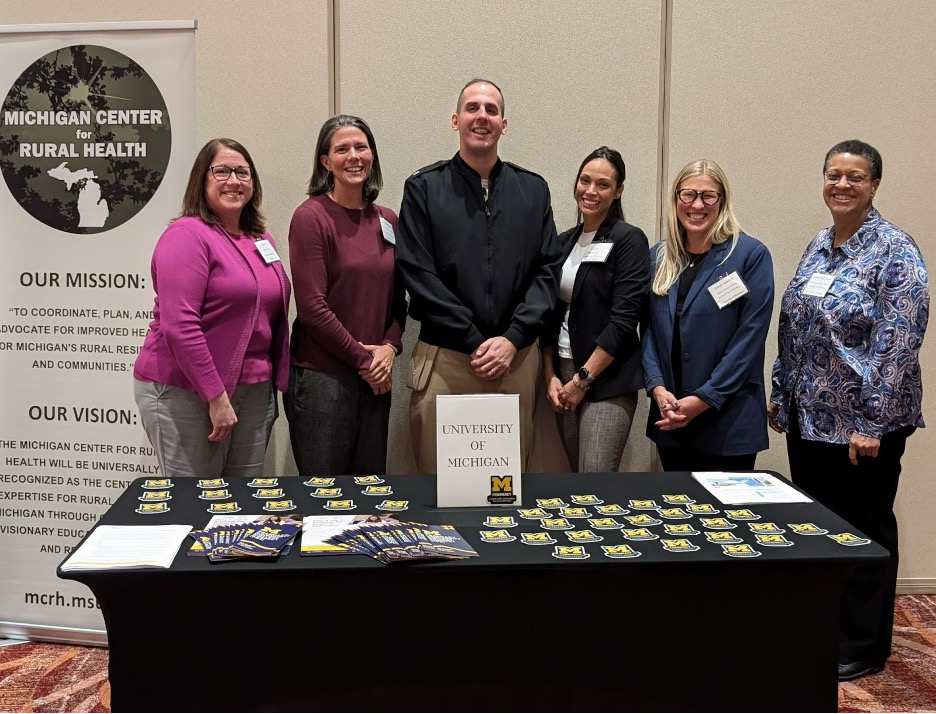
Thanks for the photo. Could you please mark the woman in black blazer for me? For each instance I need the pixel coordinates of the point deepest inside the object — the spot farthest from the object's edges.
(591, 350)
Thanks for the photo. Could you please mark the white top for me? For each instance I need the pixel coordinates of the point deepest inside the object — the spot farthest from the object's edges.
(566, 283)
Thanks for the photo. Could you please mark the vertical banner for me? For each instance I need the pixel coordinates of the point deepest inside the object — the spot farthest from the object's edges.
(96, 143)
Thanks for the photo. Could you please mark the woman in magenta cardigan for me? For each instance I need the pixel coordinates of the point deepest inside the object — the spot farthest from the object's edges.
(350, 308)
(217, 348)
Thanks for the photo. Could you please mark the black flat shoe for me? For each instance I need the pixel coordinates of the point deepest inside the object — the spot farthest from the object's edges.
(854, 670)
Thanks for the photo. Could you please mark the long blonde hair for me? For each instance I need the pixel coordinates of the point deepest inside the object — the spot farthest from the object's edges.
(674, 256)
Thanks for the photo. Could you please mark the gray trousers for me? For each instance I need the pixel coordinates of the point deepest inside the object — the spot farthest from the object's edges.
(177, 424)
(337, 425)
(595, 434)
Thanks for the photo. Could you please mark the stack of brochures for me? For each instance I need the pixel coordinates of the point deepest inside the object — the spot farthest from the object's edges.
(261, 537)
(393, 541)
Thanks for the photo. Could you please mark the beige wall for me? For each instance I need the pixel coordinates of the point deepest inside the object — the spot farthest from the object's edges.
(566, 93)
(762, 87)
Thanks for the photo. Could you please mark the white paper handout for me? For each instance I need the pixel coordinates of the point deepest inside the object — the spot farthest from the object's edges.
(740, 488)
(111, 547)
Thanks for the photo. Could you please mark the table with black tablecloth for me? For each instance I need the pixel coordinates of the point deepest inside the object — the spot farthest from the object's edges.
(515, 629)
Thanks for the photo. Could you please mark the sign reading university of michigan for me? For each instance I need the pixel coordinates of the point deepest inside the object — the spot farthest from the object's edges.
(85, 139)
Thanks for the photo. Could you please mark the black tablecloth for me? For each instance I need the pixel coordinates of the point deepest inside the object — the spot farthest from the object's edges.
(419, 491)
(513, 629)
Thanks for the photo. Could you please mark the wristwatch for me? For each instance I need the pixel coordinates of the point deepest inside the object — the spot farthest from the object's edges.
(585, 376)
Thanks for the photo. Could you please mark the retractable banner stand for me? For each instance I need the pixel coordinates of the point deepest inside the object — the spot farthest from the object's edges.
(96, 143)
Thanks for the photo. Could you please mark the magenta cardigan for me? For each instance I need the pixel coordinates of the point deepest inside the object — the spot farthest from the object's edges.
(207, 300)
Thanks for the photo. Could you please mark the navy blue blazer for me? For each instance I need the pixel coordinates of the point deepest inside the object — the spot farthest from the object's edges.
(609, 301)
(722, 352)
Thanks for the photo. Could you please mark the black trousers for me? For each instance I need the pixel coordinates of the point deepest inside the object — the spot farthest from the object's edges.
(864, 496)
(678, 459)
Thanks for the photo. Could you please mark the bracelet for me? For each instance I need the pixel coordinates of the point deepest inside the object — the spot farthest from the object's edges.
(577, 383)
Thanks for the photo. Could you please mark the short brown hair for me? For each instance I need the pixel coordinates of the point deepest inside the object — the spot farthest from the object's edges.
(480, 80)
(252, 221)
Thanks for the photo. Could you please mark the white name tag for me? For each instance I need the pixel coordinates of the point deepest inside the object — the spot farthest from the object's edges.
(387, 231)
(597, 252)
(728, 289)
(818, 285)
(267, 251)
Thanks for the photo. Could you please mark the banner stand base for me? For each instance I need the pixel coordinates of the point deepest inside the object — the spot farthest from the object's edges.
(44, 633)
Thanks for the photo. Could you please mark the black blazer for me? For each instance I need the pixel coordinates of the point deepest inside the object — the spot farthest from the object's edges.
(609, 300)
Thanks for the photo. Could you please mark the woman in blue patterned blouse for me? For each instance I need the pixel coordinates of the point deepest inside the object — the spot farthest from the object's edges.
(846, 383)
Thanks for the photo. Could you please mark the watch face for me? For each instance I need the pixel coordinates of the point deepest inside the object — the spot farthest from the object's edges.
(583, 373)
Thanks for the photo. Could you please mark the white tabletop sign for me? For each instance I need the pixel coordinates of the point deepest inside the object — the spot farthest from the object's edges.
(478, 450)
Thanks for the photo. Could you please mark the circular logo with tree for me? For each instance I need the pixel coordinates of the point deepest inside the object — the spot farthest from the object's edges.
(85, 139)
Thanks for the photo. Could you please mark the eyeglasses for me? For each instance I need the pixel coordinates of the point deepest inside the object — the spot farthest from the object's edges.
(687, 195)
(833, 178)
(221, 172)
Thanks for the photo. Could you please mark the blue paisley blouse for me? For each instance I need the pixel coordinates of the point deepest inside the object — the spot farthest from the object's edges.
(850, 359)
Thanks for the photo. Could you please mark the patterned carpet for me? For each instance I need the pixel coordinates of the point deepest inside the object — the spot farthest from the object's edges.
(908, 683)
(42, 677)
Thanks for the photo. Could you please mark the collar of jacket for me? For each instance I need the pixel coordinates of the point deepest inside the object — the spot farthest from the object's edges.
(603, 230)
(459, 164)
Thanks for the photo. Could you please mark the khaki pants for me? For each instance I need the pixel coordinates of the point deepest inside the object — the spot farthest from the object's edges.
(435, 370)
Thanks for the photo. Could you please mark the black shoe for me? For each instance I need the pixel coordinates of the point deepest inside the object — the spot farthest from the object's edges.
(854, 670)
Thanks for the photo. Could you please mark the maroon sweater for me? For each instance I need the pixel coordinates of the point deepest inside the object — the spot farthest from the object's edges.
(347, 293)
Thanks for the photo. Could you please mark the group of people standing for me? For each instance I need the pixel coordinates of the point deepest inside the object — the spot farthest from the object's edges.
(503, 302)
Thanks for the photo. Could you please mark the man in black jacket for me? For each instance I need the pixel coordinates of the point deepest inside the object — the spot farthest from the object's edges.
(478, 252)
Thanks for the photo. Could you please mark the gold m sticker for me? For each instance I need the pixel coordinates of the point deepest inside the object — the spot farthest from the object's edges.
(502, 484)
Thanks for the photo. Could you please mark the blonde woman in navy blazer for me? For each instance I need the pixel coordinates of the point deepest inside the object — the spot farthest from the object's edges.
(591, 349)
(704, 362)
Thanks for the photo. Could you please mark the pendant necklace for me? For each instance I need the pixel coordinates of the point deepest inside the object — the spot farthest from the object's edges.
(695, 258)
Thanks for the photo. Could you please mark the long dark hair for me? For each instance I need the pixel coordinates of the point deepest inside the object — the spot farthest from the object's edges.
(252, 221)
(323, 180)
(616, 209)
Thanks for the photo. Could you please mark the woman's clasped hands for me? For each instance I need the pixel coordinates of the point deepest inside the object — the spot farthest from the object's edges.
(380, 374)
(676, 413)
(564, 397)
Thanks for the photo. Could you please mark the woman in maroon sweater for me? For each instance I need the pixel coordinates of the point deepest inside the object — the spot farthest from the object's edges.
(350, 309)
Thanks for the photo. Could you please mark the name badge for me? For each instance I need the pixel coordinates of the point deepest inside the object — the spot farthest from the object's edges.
(597, 252)
(728, 289)
(387, 231)
(818, 285)
(266, 251)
